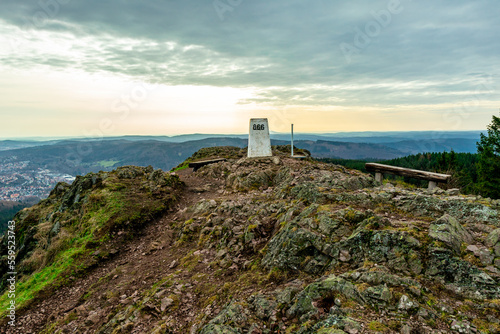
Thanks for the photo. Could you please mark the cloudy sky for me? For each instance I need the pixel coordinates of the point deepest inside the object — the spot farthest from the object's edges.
(163, 67)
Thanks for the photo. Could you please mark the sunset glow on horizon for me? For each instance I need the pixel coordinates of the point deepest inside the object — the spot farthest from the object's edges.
(83, 68)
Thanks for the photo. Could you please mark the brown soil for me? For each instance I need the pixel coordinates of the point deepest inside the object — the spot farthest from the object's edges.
(89, 302)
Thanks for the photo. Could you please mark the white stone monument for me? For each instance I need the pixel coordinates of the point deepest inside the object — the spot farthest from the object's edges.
(259, 142)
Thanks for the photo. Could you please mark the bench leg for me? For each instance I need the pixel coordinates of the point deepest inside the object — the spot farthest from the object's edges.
(432, 185)
(379, 177)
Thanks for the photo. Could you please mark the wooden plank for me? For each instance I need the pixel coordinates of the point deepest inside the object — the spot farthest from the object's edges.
(415, 173)
(198, 164)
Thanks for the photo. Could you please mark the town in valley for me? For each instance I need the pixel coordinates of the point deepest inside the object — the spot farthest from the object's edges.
(21, 181)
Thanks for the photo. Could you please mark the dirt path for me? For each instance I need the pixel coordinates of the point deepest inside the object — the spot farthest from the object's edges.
(143, 262)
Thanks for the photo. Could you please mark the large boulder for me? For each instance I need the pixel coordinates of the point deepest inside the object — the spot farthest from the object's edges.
(297, 248)
(449, 231)
(308, 302)
(309, 241)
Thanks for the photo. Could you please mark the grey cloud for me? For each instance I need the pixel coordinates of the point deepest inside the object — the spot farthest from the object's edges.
(289, 44)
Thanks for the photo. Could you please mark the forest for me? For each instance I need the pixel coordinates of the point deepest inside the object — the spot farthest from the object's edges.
(473, 173)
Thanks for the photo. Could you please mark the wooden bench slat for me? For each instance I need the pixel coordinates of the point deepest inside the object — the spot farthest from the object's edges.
(415, 173)
(198, 164)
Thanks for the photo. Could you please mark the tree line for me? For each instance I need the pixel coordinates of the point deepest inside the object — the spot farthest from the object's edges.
(474, 173)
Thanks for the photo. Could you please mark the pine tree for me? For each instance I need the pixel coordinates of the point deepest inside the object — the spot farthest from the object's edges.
(489, 160)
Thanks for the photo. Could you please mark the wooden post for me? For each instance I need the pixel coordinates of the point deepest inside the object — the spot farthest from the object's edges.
(379, 177)
(432, 185)
(292, 140)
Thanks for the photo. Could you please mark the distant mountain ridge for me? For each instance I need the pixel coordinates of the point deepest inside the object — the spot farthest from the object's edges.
(356, 137)
(81, 156)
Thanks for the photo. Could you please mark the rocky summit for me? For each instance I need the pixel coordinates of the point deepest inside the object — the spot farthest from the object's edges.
(254, 245)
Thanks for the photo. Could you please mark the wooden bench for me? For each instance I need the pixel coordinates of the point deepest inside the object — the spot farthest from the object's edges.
(380, 169)
(198, 164)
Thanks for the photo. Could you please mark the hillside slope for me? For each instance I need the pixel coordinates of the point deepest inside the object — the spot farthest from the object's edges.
(266, 245)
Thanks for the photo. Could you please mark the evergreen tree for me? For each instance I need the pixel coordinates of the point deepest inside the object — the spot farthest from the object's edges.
(489, 160)
(452, 160)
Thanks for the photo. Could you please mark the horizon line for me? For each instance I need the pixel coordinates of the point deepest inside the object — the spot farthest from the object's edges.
(42, 138)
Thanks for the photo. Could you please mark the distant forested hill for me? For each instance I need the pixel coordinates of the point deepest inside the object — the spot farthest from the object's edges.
(81, 157)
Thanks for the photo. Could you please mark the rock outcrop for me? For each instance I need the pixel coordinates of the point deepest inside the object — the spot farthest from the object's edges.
(273, 245)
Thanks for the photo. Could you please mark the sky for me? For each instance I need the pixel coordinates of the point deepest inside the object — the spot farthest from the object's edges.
(91, 68)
